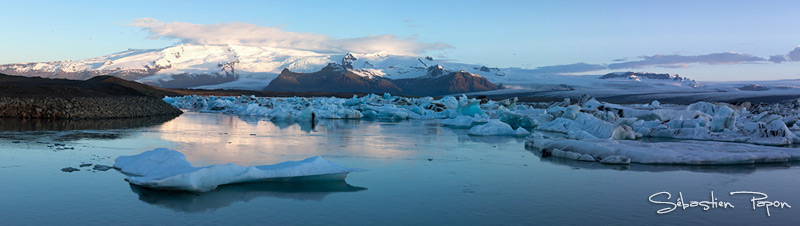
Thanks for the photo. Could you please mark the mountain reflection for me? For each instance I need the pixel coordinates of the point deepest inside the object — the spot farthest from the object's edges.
(22, 125)
(226, 195)
(75, 129)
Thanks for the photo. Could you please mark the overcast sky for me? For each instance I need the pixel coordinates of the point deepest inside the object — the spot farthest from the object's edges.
(704, 40)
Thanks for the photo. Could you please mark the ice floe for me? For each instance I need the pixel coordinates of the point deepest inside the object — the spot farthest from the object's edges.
(167, 169)
(682, 152)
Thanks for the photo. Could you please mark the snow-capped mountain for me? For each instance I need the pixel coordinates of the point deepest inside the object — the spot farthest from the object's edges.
(253, 68)
(192, 65)
(638, 76)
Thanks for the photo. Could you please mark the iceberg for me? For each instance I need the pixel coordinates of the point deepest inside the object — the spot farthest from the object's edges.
(681, 152)
(496, 128)
(168, 169)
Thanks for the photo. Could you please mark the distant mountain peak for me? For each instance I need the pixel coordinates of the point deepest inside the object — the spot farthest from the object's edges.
(640, 76)
(347, 60)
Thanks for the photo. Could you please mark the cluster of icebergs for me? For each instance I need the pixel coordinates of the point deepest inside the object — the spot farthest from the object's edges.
(588, 130)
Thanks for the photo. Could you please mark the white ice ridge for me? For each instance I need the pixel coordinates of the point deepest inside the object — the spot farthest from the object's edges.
(684, 152)
(167, 169)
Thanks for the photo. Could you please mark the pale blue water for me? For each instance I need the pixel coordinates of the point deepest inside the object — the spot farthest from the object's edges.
(419, 174)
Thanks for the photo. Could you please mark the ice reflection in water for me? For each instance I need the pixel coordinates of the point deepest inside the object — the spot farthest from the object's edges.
(226, 195)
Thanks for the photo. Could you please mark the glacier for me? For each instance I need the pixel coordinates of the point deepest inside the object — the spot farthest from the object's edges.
(168, 169)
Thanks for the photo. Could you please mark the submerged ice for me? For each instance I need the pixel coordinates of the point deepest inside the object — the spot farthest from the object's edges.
(167, 169)
(721, 133)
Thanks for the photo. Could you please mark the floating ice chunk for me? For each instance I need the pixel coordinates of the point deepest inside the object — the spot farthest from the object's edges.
(565, 154)
(591, 104)
(449, 102)
(571, 112)
(655, 104)
(616, 159)
(496, 128)
(469, 107)
(586, 122)
(168, 169)
(586, 158)
(518, 119)
(725, 118)
(625, 132)
(685, 152)
(607, 116)
(704, 107)
(580, 135)
(463, 121)
(772, 133)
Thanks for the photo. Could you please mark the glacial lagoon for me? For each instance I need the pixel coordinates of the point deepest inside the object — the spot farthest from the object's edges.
(419, 172)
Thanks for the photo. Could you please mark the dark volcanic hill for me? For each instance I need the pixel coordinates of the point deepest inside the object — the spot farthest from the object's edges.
(336, 78)
(100, 97)
(333, 78)
(442, 82)
(101, 86)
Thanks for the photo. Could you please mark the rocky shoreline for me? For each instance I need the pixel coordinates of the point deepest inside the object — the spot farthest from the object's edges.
(85, 107)
(102, 97)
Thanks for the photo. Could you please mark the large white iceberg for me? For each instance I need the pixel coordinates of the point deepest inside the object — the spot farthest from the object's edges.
(167, 169)
(683, 152)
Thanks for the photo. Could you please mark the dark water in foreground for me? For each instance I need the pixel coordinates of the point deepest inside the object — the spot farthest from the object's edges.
(419, 173)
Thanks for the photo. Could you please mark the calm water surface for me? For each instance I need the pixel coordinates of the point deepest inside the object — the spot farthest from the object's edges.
(418, 173)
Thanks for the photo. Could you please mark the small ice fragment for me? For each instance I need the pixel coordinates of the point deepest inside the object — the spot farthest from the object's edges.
(69, 169)
(616, 159)
(85, 165)
(587, 158)
(99, 167)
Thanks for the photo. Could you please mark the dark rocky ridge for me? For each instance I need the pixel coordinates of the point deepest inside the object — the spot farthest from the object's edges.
(442, 82)
(333, 78)
(99, 97)
(336, 78)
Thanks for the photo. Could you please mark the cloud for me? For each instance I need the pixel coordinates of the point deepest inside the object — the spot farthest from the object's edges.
(237, 33)
(569, 68)
(677, 60)
(794, 55)
(777, 59)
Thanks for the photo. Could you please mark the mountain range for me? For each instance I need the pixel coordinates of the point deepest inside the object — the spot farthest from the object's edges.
(270, 69)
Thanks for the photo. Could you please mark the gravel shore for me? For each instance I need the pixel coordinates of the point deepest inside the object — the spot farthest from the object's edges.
(85, 107)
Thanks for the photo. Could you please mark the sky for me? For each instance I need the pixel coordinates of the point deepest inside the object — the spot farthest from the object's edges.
(703, 40)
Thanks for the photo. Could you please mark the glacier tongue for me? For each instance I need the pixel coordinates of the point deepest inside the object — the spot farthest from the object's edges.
(167, 169)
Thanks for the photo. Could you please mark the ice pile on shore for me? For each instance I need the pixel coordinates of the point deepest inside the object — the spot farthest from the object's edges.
(587, 120)
(700, 133)
(167, 169)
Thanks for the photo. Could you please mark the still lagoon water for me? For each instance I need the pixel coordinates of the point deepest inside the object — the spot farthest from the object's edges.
(418, 173)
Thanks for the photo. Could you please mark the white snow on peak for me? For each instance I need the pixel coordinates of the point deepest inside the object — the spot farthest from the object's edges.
(368, 72)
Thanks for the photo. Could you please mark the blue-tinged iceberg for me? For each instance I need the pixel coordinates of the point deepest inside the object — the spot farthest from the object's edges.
(167, 169)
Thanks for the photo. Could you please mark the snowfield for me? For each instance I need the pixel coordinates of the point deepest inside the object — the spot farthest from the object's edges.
(585, 130)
